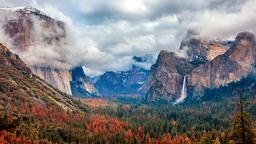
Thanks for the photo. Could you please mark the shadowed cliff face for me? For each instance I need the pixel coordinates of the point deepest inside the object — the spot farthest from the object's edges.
(233, 65)
(208, 65)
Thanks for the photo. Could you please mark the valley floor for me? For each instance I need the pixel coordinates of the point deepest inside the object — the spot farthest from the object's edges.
(123, 122)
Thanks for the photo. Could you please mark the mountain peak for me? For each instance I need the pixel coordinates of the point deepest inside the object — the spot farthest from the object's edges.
(245, 36)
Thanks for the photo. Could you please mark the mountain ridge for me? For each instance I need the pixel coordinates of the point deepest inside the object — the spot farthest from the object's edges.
(19, 83)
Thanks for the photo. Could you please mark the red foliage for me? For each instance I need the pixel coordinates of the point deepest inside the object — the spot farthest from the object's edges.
(128, 134)
(96, 102)
(100, 125)
(140, 134)
(49, 113)
(167, 139)
(5, 137)
(97, 124)
(148, 139)
(116, 125)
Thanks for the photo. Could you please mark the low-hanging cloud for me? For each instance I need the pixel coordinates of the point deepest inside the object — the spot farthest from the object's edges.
(105, 35)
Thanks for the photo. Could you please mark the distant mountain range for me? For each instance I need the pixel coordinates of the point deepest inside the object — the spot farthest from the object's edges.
(125, 83)
(197, 65)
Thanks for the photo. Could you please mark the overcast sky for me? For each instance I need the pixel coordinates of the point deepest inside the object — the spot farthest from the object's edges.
(116, 30)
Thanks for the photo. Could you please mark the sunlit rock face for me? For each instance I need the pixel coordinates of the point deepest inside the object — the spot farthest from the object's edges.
(33, 34)
(233, 65)
(55, 77)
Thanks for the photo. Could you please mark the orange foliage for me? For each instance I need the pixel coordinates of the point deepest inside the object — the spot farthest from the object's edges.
(5, 137)
(97, 124)
(140, 134)
(48, 113)
(128, 134)
(148, 139)
(167, 139)
(96, 102)
(116, 125)
(127, 107)
(100, 125)
(181, 140)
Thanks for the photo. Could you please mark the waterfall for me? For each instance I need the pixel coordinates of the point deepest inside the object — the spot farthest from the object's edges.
(183, 91)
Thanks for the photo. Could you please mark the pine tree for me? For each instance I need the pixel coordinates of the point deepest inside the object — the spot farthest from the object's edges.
(242, 132)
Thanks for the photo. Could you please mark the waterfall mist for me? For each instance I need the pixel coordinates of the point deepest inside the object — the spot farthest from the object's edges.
(183, 91)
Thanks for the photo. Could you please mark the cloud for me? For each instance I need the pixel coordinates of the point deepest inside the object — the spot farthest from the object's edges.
(224, 24)
(105, 35)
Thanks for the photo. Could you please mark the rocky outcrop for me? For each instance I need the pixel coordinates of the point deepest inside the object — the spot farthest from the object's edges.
(166, 76)
(200, 50)
(59, 78)
(231, 66)
(208, 64)
(23, 25)
(81, 85)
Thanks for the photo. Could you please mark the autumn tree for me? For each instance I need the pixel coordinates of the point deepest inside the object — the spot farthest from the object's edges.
(148, 139)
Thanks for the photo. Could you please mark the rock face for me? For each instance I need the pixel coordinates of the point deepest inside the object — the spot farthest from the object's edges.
(208, 64)
(59, 78)
(81, 85)
(166, 76)
(22, 24)
(124, 83)
(233, 65)
(199, 50)
(29, 29)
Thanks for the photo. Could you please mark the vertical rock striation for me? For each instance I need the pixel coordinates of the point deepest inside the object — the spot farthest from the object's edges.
(208, 64)
(231, 66)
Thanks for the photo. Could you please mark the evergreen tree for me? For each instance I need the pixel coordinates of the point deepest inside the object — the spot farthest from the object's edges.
(242, 132)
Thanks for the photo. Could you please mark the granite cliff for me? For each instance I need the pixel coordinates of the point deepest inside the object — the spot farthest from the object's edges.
(207, 64)
(28, 29)
(231, 66)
